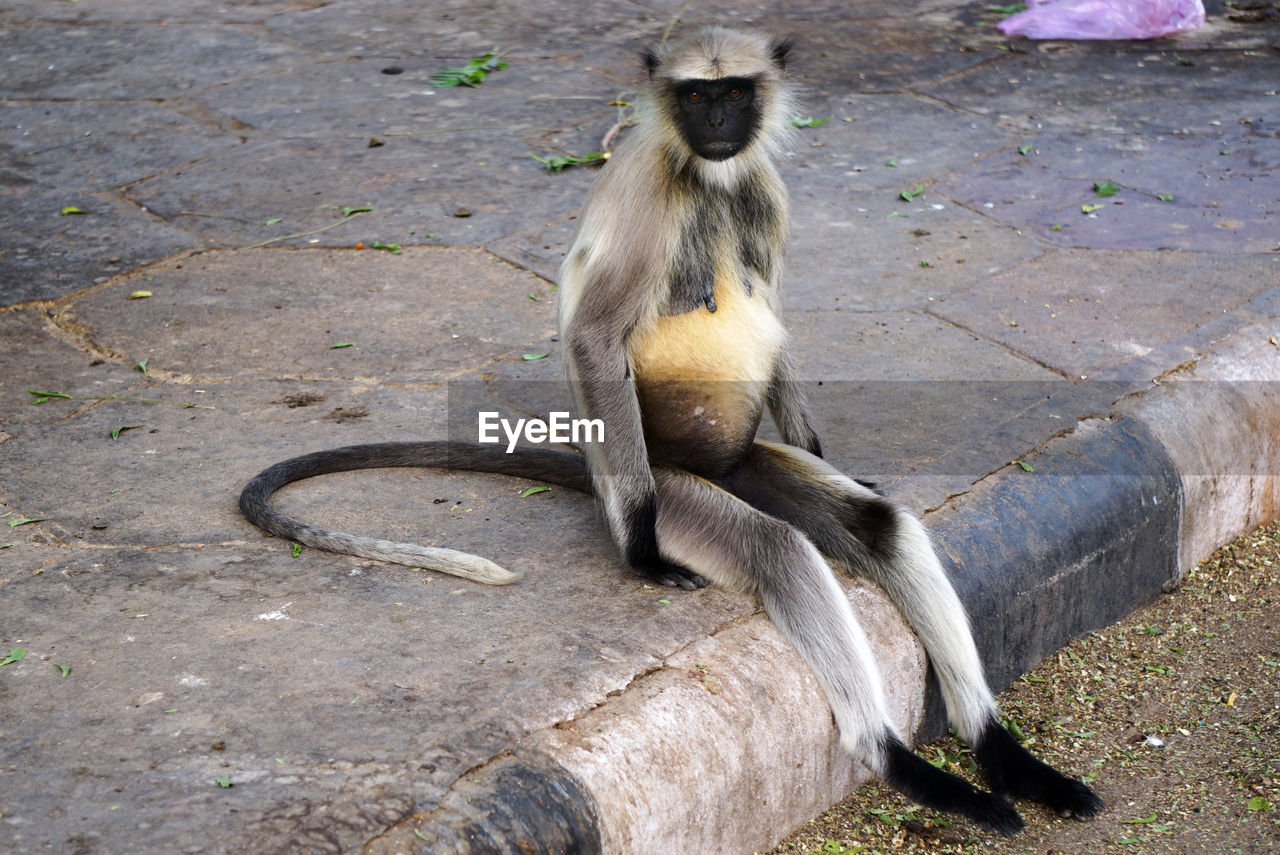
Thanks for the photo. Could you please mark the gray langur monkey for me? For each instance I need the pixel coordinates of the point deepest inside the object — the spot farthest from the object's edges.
(669, 317)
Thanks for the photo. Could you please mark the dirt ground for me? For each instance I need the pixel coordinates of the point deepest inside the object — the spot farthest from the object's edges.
(1172, 716)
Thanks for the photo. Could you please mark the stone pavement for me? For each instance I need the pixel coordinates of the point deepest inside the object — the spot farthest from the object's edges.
(241, 160)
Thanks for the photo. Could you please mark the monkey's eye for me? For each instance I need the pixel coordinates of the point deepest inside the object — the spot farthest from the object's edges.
(693, 96)
(734, 94)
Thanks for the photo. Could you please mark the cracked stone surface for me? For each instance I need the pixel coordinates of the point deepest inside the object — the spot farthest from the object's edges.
(214, 150)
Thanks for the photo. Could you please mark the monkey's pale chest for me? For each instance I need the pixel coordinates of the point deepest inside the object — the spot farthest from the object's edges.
(737, 342)
(701, 379)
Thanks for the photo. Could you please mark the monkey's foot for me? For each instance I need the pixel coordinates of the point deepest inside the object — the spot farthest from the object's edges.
(1012, 770)
(920, 780)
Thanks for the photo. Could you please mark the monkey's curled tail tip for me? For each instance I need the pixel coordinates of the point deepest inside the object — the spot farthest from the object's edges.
(451, 561)
(493, 574)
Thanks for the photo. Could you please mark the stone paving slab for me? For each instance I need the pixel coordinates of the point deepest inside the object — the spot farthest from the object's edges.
(862, 145)
(37, 356)
(461, 29)
(150, 11)
(411, 184)
(238, 314)
(1083, 313)
(1131, 91)
(895, 255)
(125, 61)
(360, 98)
(110, 491)
(93, 145)
(1222, 190)
(45, 254)
(26, 548)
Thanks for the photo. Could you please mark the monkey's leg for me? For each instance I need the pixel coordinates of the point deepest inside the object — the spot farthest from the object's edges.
(717, 535)
(873, 537)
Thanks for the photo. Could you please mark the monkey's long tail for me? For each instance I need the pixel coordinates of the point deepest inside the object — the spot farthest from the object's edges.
(553, 466)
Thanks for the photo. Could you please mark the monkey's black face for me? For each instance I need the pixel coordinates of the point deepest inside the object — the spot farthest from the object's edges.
(718, 118)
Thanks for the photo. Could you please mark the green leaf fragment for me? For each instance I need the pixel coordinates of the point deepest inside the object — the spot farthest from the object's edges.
(891, 162)
(115, 434)
(808, 122)
(16, 654)
(14, 523)
(532, 490)
(555, 164)
(351, 212)
(41, 397)
(139, 295)
(908, 195)
(224, 782)
(71, 210)
(64, 669)
(295, 549)
(1089, 209)
(1143, 821)
(472, 74)
(1024, 150)
(393, 248)
(1105, 188)
(274, 220)
(339, 344)
(142, 366)
(532, 356)
(1257, 803)
(1165, 197)
(1026, 467)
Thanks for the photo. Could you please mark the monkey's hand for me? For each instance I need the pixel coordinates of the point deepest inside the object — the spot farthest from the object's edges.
(673, 575)
(641, 550)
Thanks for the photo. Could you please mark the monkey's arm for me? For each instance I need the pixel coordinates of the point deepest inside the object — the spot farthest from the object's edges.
(600, 374)
(789, 408)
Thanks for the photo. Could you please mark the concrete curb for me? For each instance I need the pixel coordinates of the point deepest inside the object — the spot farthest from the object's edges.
(730, 745)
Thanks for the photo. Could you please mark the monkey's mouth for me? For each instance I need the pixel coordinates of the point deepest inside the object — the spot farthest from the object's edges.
(719, 149)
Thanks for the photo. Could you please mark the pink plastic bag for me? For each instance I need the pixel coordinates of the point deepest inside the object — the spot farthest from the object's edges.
(1104, 19)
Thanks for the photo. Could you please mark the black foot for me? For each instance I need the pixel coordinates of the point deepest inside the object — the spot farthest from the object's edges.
(1013, 771)
(923, 782)
(674, 576)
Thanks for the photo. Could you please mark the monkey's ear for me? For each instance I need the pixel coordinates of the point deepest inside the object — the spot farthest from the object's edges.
(651, 61)
(780, 50)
